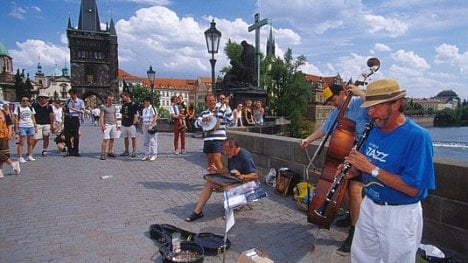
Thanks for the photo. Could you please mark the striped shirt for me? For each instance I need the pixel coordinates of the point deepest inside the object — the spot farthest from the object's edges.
(225, 117)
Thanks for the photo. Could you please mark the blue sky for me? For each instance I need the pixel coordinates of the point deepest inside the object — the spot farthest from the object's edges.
(421, 43)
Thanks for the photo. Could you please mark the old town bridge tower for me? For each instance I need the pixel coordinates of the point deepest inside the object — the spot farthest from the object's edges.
(93, 54)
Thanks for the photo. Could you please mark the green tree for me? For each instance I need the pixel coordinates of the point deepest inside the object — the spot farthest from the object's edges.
(233, 51)
(446, 117)
(140, 92)
(288, 90)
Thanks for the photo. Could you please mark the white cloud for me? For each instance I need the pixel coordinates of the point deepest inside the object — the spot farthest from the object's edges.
(391, 26)
(152, 2)
(446, 52)
(38, 9)
(382, 47)
(29, 53)
(17, 12)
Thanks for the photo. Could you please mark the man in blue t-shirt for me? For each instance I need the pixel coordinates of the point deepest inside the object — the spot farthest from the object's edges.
(336, 96)
(240, 165)
(397, 171)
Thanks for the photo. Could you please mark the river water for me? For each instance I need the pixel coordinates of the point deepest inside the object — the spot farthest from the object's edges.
(450, 143)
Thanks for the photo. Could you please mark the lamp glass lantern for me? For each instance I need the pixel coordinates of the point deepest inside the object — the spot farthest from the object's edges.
(151, 74)
(212, 37)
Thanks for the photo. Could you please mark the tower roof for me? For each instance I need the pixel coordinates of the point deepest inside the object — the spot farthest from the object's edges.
(3, 50)
(89, 17)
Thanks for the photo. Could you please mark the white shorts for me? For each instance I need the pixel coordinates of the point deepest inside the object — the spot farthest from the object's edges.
(110, 132)
(41, 131)
(128, 131)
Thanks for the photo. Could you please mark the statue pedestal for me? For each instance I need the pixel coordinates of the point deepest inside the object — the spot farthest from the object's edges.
(239, 94)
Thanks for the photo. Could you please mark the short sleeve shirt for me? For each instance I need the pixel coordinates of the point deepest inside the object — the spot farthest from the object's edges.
(129, 110)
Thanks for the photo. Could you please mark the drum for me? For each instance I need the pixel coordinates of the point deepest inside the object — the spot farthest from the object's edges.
(211, 125)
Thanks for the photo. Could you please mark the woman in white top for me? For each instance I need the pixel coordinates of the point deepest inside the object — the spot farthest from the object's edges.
(237, 113)
(259, 111)
(150, 141)
(25, 125)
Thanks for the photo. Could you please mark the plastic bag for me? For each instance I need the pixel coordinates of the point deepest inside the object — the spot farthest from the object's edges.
(270, 179)
(300, 191)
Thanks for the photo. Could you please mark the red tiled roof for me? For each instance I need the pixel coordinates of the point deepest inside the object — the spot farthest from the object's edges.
(313, 78)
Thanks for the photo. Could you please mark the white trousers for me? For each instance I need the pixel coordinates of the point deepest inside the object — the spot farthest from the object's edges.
(150, 141)
(387, 233)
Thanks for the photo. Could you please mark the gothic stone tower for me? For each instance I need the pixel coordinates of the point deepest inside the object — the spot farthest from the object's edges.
(93, 54)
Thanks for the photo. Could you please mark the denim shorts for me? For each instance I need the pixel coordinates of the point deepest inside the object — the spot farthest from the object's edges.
(26, 131)
(213, 146)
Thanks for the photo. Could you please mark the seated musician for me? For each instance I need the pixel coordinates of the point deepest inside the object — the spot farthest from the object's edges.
(240, 165)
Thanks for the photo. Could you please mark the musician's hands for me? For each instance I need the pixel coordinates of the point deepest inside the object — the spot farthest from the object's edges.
(206, 118)
(359, 161)
(236, 173)
(304, 143)
(212, 169)
(356, 90)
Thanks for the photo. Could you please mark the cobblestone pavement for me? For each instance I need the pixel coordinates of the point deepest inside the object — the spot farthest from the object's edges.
(59, 210)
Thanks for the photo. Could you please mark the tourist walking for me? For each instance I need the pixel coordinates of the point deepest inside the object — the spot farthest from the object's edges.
(150, 140)
(45, 121)
(6, 132)
(24, 127)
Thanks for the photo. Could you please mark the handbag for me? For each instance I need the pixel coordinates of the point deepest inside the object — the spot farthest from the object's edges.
(153, 129)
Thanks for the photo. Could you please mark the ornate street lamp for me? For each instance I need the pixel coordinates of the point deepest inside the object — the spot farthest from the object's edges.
(151, 73)
(212, 36)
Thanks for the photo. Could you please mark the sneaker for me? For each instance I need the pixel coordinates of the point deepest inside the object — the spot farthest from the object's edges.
(176, 152)
(133, 155)
(182, 151)
(103, 156)
(1, 174)
(112, 155)
(125, 154)
(16, 167)
(145, 158)
(153, 157)
(21, 160)
(45, 153)
(30, 158)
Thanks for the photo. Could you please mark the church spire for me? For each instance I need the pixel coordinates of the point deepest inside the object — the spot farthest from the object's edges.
(112, 27)
(69, 22)
(89, 17)
(270, 43)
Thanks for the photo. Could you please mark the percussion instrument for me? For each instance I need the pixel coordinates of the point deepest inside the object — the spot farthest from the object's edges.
(222, 180)
(212, 124)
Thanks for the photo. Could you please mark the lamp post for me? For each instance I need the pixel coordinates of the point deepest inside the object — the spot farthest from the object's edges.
(151, 73)
(212, 36)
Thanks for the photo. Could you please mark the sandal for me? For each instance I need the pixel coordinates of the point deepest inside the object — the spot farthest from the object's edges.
(194, 216)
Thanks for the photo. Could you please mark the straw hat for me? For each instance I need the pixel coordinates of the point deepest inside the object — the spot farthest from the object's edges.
(381, 91)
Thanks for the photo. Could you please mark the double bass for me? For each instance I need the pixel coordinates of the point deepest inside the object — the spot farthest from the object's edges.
(330, 188)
